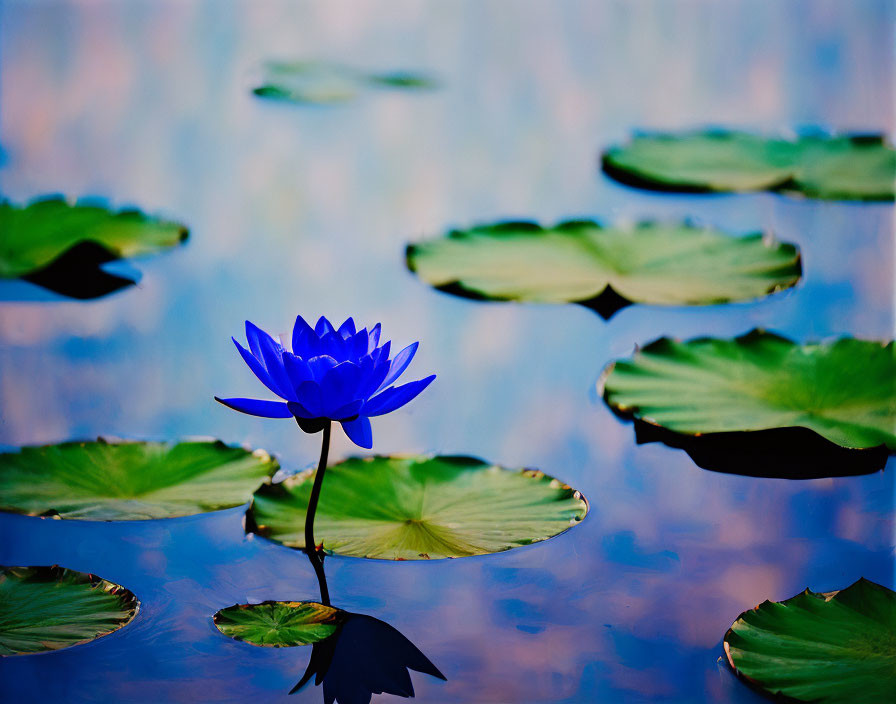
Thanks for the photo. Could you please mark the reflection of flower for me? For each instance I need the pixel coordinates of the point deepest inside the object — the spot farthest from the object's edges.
(364, 657)
(331, 374)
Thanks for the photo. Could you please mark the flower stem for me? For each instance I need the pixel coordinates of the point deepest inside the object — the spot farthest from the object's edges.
(317, 558)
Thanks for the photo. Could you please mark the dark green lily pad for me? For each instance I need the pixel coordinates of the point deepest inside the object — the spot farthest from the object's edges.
(412, 508)
(34, 235)
(279, 624)
(838, 647)
(127, 481)
(319, 82)
(48, 608)
(584, 262)
(843, 167)
(845, 391)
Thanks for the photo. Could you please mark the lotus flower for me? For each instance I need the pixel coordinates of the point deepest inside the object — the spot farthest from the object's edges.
(331, 374)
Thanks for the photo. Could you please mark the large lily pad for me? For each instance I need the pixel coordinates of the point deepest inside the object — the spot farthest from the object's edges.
(118, 481)
(35, 235)
(845, 167)
(605, 267)
(412, 508)
(844, 391)
(48, 608)
(319, 82)
(834, 647)
(279, 624)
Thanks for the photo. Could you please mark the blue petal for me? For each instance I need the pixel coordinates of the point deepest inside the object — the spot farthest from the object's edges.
(373, 374)
(302, 335)
(308, 394)
(272, 356)
(358, 345)
(349, 410)
(320, 365)
(347, 329)
(296, 369)
(256, 407)
(298, 410)
(339, 386)
(382, 353)
(323, 326)
(374, 337)
(400, 363)
(257, 368)
(395, 397)
(257, 337)
(358, 431)
(333, 345)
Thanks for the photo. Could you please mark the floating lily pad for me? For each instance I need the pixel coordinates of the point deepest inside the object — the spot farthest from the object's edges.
(126, 481)
(845, 391)
(605, 267)
(318, 82)
(834, 647)
(845, 167)
(412, 508)
(279, 624)
(61, 246)
(48, 608)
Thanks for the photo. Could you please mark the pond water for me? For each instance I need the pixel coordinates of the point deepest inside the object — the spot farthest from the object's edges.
(308, 209)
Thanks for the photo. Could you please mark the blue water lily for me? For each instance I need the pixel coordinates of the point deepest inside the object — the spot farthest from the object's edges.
(331, 374)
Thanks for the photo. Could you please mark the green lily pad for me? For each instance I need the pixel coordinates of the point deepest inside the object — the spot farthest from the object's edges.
(844, 391)
(127, 481)
(582, 261)
(279, 624)
(48, 608)
(412, 508)
(835, 647)
(34, 235)
(843, 167)
(319, 82)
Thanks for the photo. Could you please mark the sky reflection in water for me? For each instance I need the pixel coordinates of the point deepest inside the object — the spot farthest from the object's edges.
(308, 210)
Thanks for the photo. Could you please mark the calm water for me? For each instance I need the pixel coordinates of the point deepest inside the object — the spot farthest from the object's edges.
(308, 210)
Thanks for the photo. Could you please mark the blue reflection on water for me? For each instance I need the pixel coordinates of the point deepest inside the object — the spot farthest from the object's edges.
(308, 211)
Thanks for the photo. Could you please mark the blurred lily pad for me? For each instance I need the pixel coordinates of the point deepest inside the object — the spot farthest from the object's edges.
(48, 608)
(279, 624)
(61, 246)
(840, 167)
(126, 481)
(845, 391)
(412, 508)
(320, 82)
(838, 647)
(605, 267)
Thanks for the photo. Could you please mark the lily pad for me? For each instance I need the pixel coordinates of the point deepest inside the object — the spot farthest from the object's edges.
(412, 508)
(319, 82)
(48, 608)
(35, 236)
(845, 391)
(127, 481)
(834, 647)
(279, 624)
(841, 167)
(605, 267)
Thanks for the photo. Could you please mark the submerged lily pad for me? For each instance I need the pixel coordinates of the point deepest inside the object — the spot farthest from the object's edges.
(51, 240)
(584, 262)
(844, 167)
(125, 481)
(48, 608)
(844, 391)
(412, 508)
(835, 647)
(279, 624)
(319, 82)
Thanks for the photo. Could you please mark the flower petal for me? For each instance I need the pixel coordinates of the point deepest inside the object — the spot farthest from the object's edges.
(374, 338)
(256, 337)
(257, 368)
(339, 387)
(257, 407)
(395, 397)
(347, 329)
(359, 432)
(349, 410)
(302, 335)
(308, 394)
(372, 372)
(296, 369)
(323, 326)
(357, 344)
(320, 365)
(400, 363)
(299, 411)
(333, 345)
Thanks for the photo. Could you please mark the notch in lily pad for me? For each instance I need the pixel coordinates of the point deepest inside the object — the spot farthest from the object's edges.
(327, 83)
(836, 647)
(763, 405)
(605, 268)
(129, 481)
(418, 508)
(49, 608)
(63, 246)
(831, 167)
